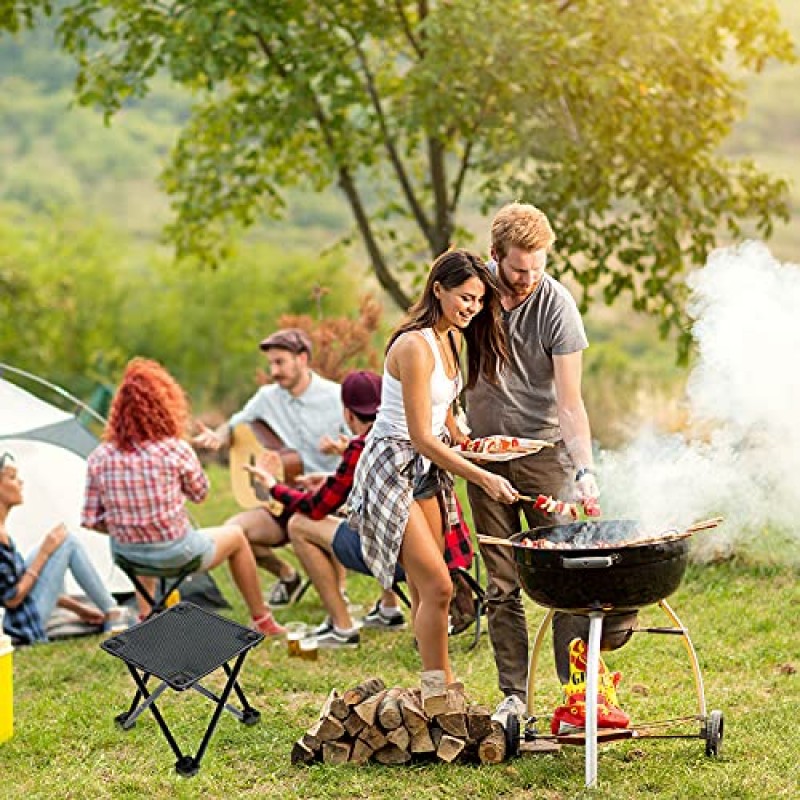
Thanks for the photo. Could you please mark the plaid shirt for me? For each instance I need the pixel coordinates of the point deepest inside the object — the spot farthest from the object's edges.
(381, 503)
(332, 495)
(138, 496)
(21, 623)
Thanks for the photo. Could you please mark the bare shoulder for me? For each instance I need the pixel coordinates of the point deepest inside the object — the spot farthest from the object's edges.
(409, 351)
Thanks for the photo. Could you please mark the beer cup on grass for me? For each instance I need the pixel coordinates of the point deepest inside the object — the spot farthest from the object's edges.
(295, 631)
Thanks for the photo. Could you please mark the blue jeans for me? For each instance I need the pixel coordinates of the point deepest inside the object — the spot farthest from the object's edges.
(49, 585)
(171, 554)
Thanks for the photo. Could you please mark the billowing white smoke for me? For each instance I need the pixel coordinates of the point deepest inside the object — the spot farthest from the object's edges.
(744, 392)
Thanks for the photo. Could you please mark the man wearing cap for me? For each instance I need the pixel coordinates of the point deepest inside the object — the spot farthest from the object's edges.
(305, 411)
(326, 544)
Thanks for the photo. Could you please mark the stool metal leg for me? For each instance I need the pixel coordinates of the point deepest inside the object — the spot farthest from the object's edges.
(156, 713)
(127, 719)
(234, 674)
(249, 715)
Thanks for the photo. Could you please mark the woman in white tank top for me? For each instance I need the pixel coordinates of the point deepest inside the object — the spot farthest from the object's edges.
(403, 487)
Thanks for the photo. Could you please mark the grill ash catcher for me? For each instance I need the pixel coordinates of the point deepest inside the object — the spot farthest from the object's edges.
(611, 574)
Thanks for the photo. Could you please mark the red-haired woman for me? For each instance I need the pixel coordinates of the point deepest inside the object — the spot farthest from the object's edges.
(139, 480)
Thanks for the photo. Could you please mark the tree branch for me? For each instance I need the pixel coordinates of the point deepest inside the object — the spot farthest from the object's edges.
(379, 265)
(443, 224)
(389, 143)
(347, 185)
(458, 183)
(406, 25)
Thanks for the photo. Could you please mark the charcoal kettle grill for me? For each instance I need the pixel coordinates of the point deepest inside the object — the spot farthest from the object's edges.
(601, 570)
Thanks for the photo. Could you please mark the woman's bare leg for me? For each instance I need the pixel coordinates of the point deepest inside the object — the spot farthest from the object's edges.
(431, 589)
(231, 545)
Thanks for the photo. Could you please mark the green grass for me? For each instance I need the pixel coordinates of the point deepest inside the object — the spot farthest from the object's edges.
(742, 619)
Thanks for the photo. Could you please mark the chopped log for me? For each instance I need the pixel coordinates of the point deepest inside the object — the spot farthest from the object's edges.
(389, 714)
(353, 724)
(302, 754)
(413, 715)
(399, 736)
(421, 742)
(436, 734)
(336, 752)
(311, 741)
(358, 694)
(334, 706)
(492, 748)
(449, 748)
(392, 754)
(479, 722)
(538, 746)
(361, 753)
(327, 729)
(373, 737)
(456, 700)
(454, 723)
(368, 708)
(434, 692)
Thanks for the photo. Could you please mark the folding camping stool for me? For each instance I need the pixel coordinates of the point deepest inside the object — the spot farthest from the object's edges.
(169, 579)
(180, 647)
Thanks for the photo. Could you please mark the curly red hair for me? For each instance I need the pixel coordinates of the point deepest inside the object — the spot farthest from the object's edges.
(149, 406)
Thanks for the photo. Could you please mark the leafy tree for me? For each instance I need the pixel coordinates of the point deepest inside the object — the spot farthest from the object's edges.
(606, 113)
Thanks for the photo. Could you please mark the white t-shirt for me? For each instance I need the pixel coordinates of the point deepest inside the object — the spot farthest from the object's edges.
(302, 421)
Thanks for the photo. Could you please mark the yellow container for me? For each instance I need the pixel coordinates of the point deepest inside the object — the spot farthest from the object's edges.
(6, 688)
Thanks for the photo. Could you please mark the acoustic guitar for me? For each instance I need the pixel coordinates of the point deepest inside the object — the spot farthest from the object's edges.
(249, 440)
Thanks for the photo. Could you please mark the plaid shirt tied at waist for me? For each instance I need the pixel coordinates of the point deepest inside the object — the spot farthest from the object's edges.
(380, 504)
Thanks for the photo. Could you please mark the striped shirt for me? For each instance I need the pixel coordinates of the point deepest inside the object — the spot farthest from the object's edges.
(139, 496)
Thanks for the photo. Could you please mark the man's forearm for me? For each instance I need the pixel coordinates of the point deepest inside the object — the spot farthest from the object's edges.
(577, 435)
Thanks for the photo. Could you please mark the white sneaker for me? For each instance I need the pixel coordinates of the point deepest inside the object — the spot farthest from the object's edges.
(511, 705)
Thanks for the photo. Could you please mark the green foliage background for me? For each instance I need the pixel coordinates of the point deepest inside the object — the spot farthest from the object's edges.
(85, 281)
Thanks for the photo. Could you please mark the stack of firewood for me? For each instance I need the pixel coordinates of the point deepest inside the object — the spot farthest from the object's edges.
(394, 726)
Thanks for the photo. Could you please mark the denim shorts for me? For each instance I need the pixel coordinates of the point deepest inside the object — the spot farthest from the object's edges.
(170, 554)
(346, 547)
(427, 485)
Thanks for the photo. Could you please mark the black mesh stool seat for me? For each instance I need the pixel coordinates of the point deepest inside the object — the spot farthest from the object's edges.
(181, 646)
(170, 579)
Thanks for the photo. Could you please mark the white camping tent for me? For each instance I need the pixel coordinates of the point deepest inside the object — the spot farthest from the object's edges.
(50, 447)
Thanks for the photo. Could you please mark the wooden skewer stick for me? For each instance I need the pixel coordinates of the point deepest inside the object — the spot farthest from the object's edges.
(496, 540)
(707, 523)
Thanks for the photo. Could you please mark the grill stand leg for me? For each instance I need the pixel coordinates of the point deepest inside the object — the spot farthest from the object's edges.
(698, 675)
(592, 670)
(534, 659)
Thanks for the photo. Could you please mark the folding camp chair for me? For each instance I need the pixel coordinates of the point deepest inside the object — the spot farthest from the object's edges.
(170, 579)
(181, 646)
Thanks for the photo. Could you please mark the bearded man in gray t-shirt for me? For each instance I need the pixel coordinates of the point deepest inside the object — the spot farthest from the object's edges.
(538, 397)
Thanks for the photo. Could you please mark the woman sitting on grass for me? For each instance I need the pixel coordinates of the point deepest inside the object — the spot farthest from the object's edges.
(30, 589)
(138, 483)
